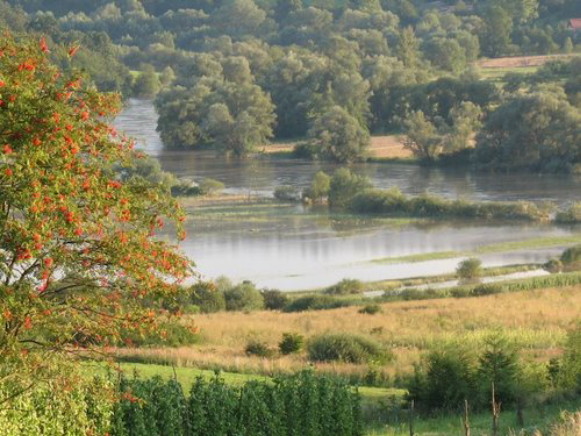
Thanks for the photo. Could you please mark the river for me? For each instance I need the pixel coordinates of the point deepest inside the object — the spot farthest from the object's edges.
(296, 250)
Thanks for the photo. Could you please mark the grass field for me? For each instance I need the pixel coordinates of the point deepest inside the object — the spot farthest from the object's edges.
(535, 321)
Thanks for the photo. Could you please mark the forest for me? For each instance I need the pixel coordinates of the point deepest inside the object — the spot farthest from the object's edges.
(234, 75)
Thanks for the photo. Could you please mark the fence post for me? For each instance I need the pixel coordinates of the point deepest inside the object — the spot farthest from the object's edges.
(495, 413)
(411, 417)
(466, 419)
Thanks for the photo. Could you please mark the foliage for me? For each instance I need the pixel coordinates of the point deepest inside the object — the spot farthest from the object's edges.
(393, 202)
(274, 299)
(345, 287)
(569, 376)
(315, 302)
(244, 297)
(207, 297)
(469, 269)
(344, 186)
(299, 404)
(371, 309)
(571, 258)
(320, 187)
(570, 216)
(210, 186)
(77, 250)
(72, 406)
(287, 193)
(258, 348)
(537, 131)
(498, 365)
(443, 381)
(291, 343)
(338, 136)
(347, 348)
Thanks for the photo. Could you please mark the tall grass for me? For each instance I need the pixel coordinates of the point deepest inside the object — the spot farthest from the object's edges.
(536, 321)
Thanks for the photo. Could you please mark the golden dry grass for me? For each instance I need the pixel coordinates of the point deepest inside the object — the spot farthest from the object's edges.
(383, 147)
(519, 61)
(537, 321)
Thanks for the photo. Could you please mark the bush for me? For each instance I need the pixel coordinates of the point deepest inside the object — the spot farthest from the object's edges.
(370, 309)
(553, 266)
(488, 289)
(302, 404)
(170, 333)
(244, 297)
(274, 299)
(287, 193)
(469, 269)
(346, 348)
(569, 376)
(315, 302)
(344, 186)
(211, 187)
(571, 215)
(443, 380)
(571, 258)
(207, 297)
(258, 348)
(291, 343)
(345, 287)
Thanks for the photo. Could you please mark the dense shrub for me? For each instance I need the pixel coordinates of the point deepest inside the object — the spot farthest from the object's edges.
(207, 297)
(346, 348)
(291, 343)
(571, 258)
(443, 381)
(171, 333)
(61, 407)
(244, 297)
(274, 299)
(393, 202)
(315, 302)
(287, 193)
(571, 215)
(469, 269)
(345, 287)
(258, 348)
(488, 289)
(569, 377)
(211, 187)
(370, 309)
(303, 404)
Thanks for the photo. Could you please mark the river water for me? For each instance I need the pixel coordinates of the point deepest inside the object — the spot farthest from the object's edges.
(295, 250)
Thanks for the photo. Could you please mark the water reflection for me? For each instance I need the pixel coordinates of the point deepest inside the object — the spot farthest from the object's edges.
(288, 248)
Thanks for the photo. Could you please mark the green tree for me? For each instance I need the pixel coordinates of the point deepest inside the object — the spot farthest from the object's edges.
(320, 187)
(244, 297)
(407, 47)
(207, 297)
(469, 269)
(77, 249)
(338, 136)
(498, 364)
(344, 186)
(495, 39)
(538, 131)
(147, 84)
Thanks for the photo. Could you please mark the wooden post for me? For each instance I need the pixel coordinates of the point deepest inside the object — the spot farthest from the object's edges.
(495, 413)
(466, 419)
(411, 418)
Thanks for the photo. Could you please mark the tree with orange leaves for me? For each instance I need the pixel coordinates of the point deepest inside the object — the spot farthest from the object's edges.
(78, 252)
